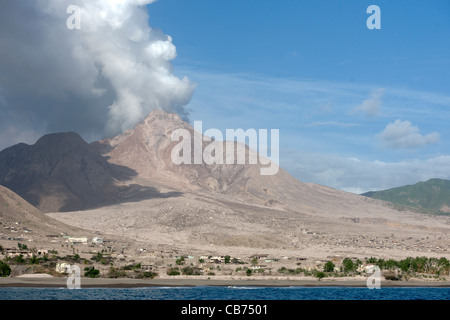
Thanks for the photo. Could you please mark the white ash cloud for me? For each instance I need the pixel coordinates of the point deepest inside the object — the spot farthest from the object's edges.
(99, 80)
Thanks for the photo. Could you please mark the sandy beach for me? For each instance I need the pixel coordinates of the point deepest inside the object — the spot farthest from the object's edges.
(186, 282)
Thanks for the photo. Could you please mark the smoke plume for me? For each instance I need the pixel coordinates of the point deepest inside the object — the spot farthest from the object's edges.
(98, 78)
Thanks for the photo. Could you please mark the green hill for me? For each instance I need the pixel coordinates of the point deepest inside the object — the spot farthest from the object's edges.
(432, 196)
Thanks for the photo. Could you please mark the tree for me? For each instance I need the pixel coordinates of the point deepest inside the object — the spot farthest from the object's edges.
(91, 272)
(254, 261)
(348, 265)
(227, 259)
(329, 267)
(191, 271)
(320, 275)
(173, 272)
(180, 261)
(34, 259)
(248, 272)
(19, 259)
(5, 270)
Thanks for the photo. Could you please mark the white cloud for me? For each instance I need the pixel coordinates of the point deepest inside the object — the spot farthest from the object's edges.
(371, 106)
(403, 135)
(359, 176)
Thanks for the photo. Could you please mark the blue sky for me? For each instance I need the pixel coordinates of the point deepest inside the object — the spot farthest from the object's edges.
(357, 109)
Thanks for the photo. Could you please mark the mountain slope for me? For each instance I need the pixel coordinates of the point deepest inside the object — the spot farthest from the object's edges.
(61, 172)
(14, 210)
(430, 196)
(147, 150)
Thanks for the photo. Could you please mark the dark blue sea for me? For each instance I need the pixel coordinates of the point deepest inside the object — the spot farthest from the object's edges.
(225, 293)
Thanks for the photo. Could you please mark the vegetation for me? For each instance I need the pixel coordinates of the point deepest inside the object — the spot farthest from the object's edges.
(34, 260)
(319, 275)
(329, 267)
(179, 261)
(429, 197)
(147, 274)
(417, 265)
(227, 259)
(284, 270)
(19, 259)
(22, 246)
(91, 272)
(348, 265)
(5, 270)
(173, 272)
(191, 271)
(132, 266)
(100, 258)
(116, 273)
(248, 272)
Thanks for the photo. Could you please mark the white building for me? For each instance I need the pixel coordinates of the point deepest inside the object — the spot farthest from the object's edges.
(97, 240)
(75, 240)
(62, 267)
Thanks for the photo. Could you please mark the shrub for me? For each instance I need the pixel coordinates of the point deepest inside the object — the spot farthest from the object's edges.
(132, 266)
(115, 273)
(34, 259)
(191, 271)
(22, 246)
(91, 272)
(173, 272)
(149, 274)
(320, 275)
(348, 265)
(19, 259)
(5, 270)
(329, 267)
(248, 272)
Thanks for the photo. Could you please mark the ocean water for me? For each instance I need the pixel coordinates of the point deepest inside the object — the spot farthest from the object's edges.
(225, 293)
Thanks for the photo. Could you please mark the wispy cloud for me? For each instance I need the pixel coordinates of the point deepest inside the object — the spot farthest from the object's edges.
(332, 124)
(371, 106)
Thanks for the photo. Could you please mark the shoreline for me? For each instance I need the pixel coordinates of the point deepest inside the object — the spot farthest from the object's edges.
(189, 282)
